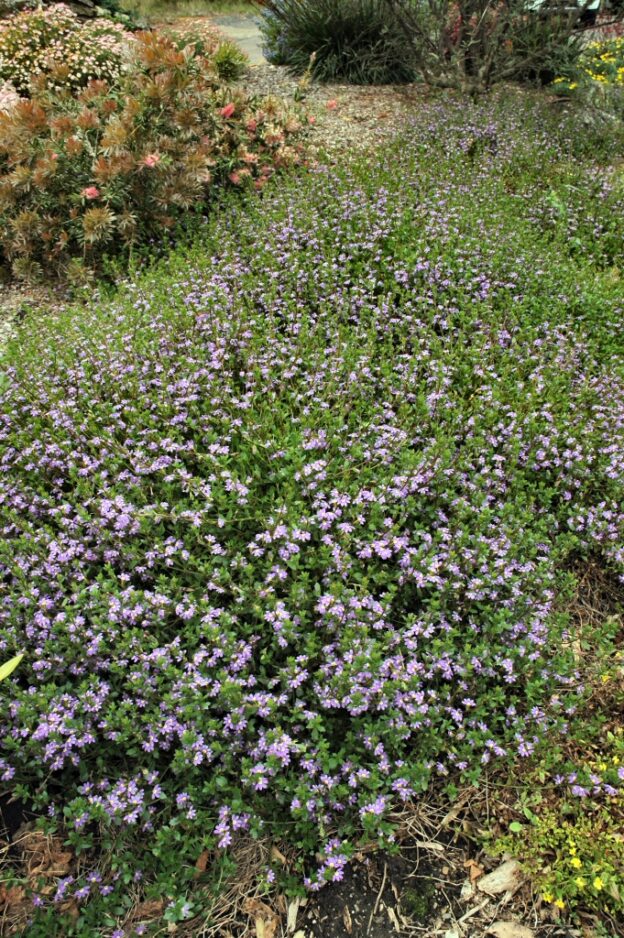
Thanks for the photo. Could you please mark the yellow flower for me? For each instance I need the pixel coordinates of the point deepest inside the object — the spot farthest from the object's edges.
(580, 882)
(548, 897)
(560, 903)
(576, 863)
(598, 883)
(573, 85)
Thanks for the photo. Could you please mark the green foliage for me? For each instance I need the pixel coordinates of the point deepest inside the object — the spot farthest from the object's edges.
(103, 172)
(172, 10)
(228, 59)
(289, 517)
(10, 7)
(120, 12)
(601, 62)
(358, 41)
(51, 45)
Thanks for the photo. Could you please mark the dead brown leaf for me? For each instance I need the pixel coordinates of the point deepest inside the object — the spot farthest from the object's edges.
(265, 920)
(266, 928)
(43, 855)
(346, 918)
(70, 908)
(291, 915)
(506, 878)
(11, 896)
(278, 855)
(474, 870)
(510, 930)
(202, 862)
(149, 909)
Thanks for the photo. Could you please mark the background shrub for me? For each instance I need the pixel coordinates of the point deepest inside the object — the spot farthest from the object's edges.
(470, 45)
(80, 177)
(85, 9)
(597, 78)
(121, 13)
(52, 45)
(358, 41)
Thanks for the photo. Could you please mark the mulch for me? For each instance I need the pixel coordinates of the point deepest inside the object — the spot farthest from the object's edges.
(344, 118)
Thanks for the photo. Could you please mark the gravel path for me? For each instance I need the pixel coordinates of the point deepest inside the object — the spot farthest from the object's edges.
(345, 118)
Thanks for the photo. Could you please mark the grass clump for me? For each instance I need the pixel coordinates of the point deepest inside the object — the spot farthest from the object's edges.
(358, 41)
(285, 522)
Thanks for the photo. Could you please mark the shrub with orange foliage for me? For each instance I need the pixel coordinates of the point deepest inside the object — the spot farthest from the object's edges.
(109, 169)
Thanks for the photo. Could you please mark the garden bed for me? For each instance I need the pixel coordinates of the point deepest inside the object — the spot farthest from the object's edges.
(312, 524)
(293, 522)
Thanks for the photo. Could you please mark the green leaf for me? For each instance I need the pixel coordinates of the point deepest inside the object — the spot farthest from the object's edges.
(516, 827)
(10, 666)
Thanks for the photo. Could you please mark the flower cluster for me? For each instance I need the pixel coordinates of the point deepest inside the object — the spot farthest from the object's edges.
(115, 166)
(52, 46)
(604, 61)
(600, 64)
(285, 523)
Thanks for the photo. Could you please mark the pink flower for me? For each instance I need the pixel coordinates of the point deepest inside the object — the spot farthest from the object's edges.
(252, 126)
(235, 178)
(228, 110)
(311, 120)
(91, 192)
(151, 160)
(332, 105)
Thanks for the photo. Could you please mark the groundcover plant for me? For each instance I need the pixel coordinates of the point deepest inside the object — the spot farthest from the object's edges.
(288, 523)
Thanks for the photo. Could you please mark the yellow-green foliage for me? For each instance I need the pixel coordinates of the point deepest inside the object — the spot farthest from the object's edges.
(571, 840)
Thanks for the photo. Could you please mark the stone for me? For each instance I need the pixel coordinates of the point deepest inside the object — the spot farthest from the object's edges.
(506, 878)
(510, 930)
